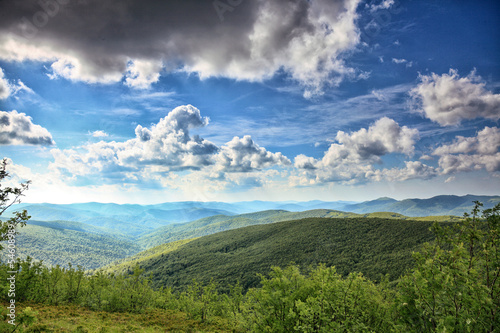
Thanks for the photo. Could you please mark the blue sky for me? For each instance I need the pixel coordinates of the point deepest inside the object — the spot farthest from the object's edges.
(250, 100)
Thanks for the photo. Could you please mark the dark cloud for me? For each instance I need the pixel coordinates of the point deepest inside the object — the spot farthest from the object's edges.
(18, 129)
(111, 40)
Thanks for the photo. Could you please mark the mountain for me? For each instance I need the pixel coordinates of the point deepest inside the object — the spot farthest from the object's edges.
(218, 223)
(372, 246)
(438, 205)
(63, 242)
(132, 220)
(154, 216)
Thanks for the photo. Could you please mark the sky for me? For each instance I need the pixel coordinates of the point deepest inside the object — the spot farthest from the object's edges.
(231, 100)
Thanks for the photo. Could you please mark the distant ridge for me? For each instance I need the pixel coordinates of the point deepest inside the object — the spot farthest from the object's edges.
(438, 205)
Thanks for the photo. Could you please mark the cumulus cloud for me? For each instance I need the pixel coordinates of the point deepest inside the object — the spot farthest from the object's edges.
(134, 42)
(383, 137)
(471, 153)
(244, 155)
(165, 147)
(353, 157)
(18, 129)
(167, 144)
(449, 99)
(99, 134)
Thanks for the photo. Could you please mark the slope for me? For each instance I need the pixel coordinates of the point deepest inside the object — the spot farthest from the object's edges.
(59, 243)
(370, 245)
(218, 223)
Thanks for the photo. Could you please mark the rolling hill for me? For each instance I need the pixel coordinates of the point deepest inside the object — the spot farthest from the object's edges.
(60, 243)
(93, 246)
(123, 230)
(372, 246)
(218, 223)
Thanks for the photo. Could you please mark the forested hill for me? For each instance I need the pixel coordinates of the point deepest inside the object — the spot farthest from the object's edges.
(218, 223)
(372, 246)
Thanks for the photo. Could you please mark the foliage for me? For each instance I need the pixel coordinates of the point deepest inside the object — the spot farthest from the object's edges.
(321, 302)
(8, 197)
(90, 250)
(456, 283)
(374, 247)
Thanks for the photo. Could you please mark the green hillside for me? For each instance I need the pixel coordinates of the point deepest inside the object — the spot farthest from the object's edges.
(56, 245)
(96, 246)
(218, 223)
(369, 245)
(124, 266)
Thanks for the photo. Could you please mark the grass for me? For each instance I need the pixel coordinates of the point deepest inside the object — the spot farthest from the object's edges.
(70, 318)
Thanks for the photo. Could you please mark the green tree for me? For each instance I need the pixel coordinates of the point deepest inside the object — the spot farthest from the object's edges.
(323, 301)
(455, 285)
(8, 197)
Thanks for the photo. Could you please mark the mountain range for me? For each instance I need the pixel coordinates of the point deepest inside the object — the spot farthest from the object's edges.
(96, 234)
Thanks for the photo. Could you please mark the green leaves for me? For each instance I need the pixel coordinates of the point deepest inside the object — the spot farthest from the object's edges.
(322, 301)
(455, 286)
(8, 197)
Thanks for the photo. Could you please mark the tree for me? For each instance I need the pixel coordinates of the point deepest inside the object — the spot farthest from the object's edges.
(8, 197)
(455, 285)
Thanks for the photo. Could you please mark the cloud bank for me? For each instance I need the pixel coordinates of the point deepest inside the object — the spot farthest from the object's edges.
(134, 42)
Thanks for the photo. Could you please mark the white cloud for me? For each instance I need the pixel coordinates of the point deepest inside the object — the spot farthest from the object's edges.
(244, 155)
(353, 157)
(449, 99)
(471, 153)
(142, 73)
(383, 137)
(8, 89)
(164, 148)
(412, 170)
(385, 4)
(18, 129)
(4, 86)
(167, 144)
(402, 61)
(399, 61)
(99, 134)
